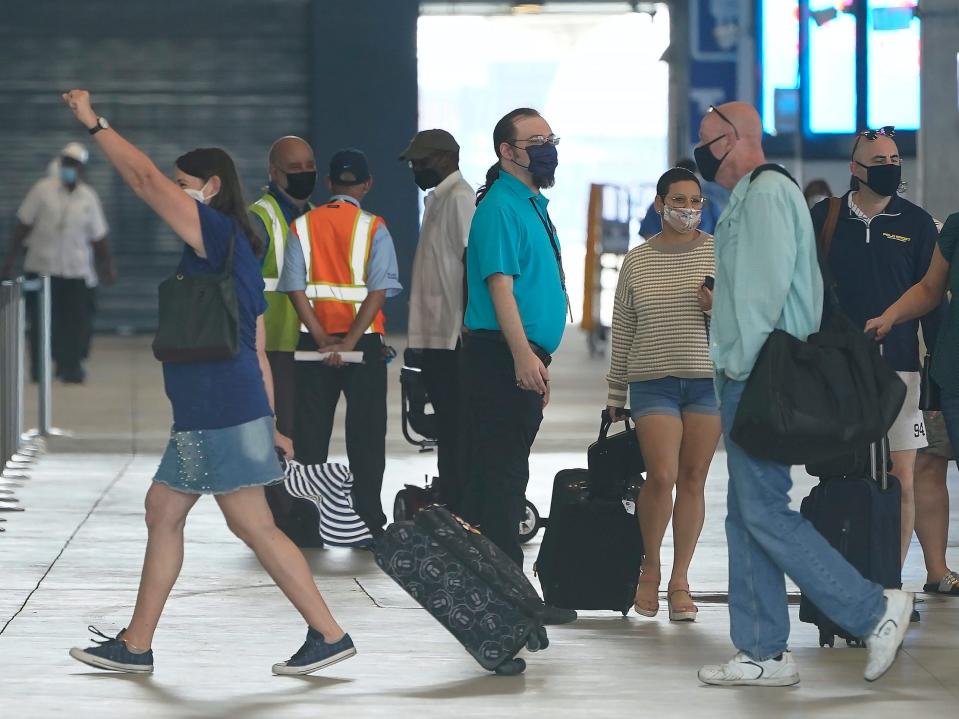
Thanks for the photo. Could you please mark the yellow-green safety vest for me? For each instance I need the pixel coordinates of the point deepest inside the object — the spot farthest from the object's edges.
(282, 323)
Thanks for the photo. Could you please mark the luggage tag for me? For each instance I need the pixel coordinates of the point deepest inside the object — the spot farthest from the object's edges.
(630, 506)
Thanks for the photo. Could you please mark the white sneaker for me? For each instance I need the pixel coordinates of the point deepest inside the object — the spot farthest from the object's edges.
(884, 641)
(743, 671)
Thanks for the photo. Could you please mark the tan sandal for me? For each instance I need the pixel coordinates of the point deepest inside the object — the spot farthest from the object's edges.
(683, 612)
(651, 609)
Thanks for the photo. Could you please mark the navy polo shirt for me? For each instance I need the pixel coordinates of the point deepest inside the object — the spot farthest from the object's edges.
(873, 263)
(509, 236)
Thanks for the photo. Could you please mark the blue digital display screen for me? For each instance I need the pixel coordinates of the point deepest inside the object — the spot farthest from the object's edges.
(892, 40)
(780, 58)
(832, 67)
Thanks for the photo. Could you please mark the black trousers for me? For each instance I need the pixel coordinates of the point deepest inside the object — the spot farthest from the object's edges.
(71, 309)
(318, 389)
(283, 369)
(441, 375)
(501, 424)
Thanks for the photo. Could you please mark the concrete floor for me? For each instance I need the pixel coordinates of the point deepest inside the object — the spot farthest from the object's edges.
(73, 557)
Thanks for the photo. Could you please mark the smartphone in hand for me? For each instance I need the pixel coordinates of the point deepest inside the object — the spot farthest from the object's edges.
(709, 282)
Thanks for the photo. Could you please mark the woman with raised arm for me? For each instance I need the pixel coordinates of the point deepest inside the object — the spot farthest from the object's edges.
(223, 436)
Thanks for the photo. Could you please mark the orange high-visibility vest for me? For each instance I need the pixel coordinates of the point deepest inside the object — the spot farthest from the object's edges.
(336, 239)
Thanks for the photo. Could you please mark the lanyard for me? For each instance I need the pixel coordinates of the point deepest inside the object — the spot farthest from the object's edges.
(551, 234)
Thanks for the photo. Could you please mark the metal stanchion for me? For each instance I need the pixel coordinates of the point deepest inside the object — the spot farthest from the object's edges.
(11, 393)
(45, 411)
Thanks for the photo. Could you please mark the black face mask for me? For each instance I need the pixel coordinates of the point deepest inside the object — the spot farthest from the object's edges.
(543, 160)
(884, 180)
(299, 185)
(426, 178)
(707, 162)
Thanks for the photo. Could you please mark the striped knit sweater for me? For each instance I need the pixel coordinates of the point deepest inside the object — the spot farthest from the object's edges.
(658, 327)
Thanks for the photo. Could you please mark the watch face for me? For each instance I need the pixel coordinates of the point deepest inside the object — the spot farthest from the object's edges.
(102, 122)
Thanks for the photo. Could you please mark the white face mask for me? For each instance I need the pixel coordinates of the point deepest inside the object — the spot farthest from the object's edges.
(682, 219)
(198, 194)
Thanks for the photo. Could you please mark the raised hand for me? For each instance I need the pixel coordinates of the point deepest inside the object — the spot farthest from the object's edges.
(79, 103)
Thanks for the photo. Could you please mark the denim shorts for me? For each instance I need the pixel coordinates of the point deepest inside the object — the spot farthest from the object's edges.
(219, 461)
(672, 396)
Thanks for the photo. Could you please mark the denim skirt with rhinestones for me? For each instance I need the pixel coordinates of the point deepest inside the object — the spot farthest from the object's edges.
(218, 461)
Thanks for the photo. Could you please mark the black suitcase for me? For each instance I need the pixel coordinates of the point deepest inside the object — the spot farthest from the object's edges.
(592, 550)
(859, 514)
(469, 586)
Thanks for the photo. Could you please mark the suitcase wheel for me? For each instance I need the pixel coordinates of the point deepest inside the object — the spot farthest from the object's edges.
(401, 506)
(511, 667)
(826, 639)
(537, 640)
(531, 523)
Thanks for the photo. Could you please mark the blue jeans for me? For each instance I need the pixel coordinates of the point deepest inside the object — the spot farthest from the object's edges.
(766, 541)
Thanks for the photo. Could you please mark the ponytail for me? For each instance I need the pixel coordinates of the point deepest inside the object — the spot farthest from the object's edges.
(492, 174)
(503, 132)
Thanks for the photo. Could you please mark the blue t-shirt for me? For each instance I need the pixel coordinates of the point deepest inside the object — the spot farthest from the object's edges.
(211, 395)
(508, 236)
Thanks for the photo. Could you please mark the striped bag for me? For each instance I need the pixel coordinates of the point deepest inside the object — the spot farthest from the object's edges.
(329, 487)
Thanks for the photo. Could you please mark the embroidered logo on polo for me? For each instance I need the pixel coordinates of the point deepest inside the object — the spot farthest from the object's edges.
(897, 238)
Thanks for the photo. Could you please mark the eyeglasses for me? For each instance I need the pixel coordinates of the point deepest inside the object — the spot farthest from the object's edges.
(871, 135)
(713, 108)
(537, 140)
(676, 201)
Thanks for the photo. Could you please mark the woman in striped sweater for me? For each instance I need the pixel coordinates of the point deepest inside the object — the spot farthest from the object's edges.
(660, 358)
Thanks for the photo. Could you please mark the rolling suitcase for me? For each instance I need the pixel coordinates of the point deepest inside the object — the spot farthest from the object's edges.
(593, 549)
(856, 507)
(468, 585)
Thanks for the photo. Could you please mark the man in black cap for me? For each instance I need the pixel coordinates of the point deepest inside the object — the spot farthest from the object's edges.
(436, 293)
(338, 274)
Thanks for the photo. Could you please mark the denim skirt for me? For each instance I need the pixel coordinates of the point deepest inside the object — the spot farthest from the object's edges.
(219, 461)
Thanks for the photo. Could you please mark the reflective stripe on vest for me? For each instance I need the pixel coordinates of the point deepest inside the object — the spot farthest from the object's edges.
(278, 230)
(345, 283)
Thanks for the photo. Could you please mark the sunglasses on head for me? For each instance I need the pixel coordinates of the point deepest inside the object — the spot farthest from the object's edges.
(871, 135)
(721, 116)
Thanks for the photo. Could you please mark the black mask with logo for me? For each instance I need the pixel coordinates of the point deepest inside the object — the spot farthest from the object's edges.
(299, 185)
(884, 180)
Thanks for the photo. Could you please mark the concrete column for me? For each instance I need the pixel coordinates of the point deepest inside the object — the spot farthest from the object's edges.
(938, 151)
(678, 58)
(364, 95)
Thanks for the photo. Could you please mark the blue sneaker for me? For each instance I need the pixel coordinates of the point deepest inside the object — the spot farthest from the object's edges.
(316, 654)
(112, 653)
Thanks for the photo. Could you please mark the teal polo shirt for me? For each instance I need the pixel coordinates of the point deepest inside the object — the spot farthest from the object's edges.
(507, 236)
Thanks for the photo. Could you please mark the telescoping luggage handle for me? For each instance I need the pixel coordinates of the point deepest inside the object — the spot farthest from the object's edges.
(879, 475)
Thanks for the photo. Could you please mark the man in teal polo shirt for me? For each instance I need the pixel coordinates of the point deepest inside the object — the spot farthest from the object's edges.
(515, 318)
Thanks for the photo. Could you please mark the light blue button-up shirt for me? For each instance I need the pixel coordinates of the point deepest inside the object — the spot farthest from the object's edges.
(767, 273)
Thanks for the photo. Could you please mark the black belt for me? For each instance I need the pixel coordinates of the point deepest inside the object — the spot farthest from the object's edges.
(496, 336)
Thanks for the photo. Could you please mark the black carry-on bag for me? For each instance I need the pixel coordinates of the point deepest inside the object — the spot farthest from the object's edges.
(856, 507)
(469, 586)
(593, 549)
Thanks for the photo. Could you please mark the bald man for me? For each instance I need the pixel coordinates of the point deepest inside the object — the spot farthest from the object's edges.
(768, 277)
(882, 246)
(292, 172)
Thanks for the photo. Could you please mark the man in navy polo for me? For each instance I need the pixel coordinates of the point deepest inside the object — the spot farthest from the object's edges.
(515, 318)
(881, 247)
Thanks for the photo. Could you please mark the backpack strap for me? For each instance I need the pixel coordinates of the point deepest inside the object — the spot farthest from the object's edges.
(772, 166)
(824, 241)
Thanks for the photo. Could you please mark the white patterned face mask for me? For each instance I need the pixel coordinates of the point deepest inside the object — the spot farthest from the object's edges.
(682, 219)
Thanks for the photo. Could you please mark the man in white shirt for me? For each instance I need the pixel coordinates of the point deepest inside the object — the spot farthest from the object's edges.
(437, 294)
(62, 226)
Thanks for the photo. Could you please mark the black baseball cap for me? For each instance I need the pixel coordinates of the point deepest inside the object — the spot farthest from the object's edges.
(349, 167)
